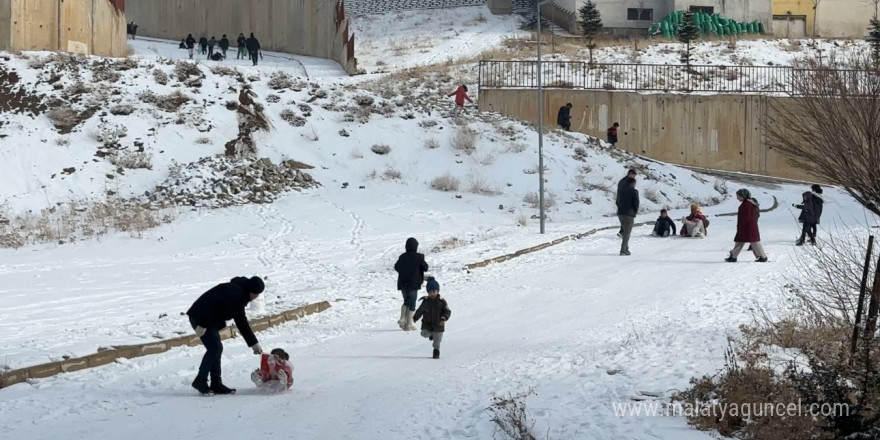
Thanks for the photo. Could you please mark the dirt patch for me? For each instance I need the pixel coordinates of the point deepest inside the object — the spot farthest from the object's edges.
(13, 97)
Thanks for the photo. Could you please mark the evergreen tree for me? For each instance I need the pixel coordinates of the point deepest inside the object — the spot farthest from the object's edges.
(687, 32)
(873, 39)
(591, 24)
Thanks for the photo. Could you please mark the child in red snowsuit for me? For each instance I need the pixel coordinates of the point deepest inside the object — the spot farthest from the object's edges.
(276, 371)
(461, 94)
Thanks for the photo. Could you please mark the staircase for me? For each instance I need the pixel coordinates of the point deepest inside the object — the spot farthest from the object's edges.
(528, 9)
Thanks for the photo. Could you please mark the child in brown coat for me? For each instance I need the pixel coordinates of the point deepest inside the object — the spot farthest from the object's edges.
(435, 312)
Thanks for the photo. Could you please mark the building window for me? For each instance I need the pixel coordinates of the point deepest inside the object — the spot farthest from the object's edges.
(633, 14)
(704, 9)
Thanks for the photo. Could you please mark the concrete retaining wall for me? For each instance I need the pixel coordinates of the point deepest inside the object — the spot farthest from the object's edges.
(317, 28)
(107, 356)
(723, 132)
(366, 7)
(83, 26)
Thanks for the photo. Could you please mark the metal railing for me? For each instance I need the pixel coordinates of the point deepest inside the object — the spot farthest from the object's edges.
(645, 77)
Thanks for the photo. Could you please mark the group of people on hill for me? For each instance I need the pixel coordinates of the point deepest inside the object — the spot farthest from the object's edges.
(248, 48)
(696, 223)
(563, 119)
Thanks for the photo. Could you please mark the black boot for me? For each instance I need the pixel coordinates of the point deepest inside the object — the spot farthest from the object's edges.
(436, 354)
(201, 386)
(218, 388)
(730, 259)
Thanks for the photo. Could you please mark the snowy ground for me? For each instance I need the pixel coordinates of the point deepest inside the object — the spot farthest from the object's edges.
(581, 326)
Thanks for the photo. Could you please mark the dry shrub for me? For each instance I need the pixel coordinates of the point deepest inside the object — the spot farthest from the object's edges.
(122, 109)
(517, 147)
(70, 222)
(653, 195)
(465, 139)
(450, 243)
(532, 199)
(186, 69)
(280, 80)
(446, 183)
(64, 118)
(364, 100)
(131, 159)
(292, 118)
(521, 219)
(432, 144)
(427, 123)
(510, 417)
(380, 149)
(171, 102)
(391, 174)
(203, 141)
(478, 185)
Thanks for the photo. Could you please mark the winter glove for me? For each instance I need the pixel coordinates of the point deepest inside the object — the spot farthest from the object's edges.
(257, 349)
(200, 331)
(256, 378)
(442, 323)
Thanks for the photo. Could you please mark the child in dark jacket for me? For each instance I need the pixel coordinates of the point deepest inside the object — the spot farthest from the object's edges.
(435, 312)
(663, 225)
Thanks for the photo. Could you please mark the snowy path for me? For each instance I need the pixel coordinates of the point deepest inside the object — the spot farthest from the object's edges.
(653, 320)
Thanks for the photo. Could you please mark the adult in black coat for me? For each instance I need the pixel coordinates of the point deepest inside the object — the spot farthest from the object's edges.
(190, 44)
(411, 268)
(627, 208)
(563, 118)
(253, 47)
(818, 205)
(631, 174)
(224, 45)
(208, 315)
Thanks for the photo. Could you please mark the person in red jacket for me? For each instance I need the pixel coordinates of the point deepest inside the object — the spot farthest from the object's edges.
(747, 228)
(461, 95)
(275, 372)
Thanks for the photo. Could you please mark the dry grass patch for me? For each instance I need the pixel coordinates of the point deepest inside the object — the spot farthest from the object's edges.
(465, 139)
(432, 144)
(381, 149)
(171, 102)
(292, 118)
(533, 201)
(446, 183)
(479, 185)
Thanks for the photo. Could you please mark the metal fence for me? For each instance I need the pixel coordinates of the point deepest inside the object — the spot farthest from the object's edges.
(646, 77)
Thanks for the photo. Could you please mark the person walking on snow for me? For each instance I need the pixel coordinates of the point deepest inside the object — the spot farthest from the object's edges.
(253, 47)
(411, 268)
(434, 312)
(818, 205)
(190, 45)
(208, 315)
(612, 134)
(563, 118)
(621, 184)
(747, 228)
(807, 217)
(224, 45)
(203, 45)
(627, 208)
(241, 43)
(461, 95)
(211, 43)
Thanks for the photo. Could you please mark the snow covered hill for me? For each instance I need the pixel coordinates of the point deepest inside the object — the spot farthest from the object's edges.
(344, 170)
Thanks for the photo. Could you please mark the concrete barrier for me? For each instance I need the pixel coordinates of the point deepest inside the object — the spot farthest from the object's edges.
(723, 132)
(106, 355)
(577, 236)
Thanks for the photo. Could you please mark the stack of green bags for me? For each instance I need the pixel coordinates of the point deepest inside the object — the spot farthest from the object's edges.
(713, 24)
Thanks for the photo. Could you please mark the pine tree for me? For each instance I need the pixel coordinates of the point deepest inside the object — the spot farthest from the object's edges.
(591, 24)
(873, 39)
(687, 32)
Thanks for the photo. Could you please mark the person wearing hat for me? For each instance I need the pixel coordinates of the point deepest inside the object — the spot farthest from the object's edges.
(435, 312)
(747, 228)
(208, 315)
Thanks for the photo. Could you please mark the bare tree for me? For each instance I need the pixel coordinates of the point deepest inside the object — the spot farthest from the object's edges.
(830, 128)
